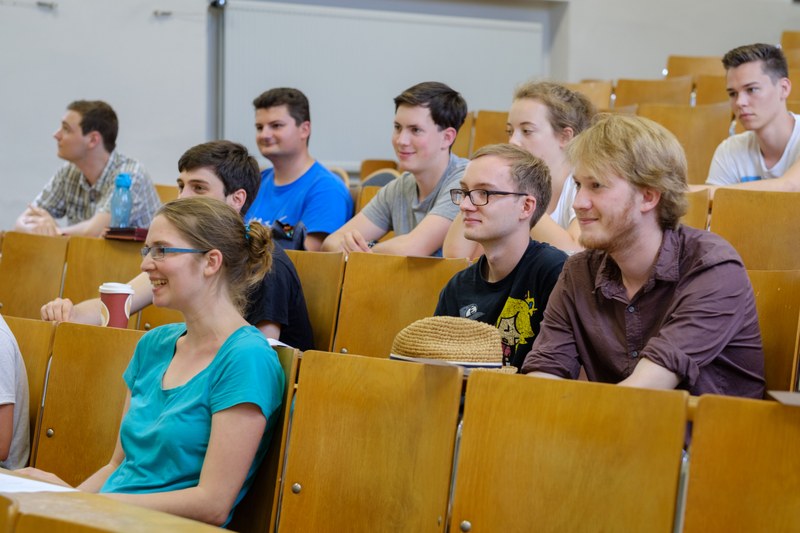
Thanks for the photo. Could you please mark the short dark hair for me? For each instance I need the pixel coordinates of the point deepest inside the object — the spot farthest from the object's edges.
(230, 162)
(530, 173)
(448, 108)
(98, 116)
(773, 61)
(294, 100)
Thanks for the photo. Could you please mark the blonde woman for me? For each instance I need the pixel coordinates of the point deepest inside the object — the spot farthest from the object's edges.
(544, 117)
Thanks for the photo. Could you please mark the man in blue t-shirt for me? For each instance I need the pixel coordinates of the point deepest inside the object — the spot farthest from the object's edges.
(302, 200)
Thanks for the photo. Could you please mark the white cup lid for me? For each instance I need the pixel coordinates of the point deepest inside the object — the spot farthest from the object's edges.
(116, 288)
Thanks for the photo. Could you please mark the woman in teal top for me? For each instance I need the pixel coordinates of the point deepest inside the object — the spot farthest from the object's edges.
(202, 395)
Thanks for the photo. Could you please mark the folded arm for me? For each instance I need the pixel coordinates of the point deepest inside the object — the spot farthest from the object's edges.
(423, 240)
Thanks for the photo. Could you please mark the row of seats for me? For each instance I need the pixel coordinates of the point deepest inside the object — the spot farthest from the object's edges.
(371, 445)
(700, 129)
(36, 269)
(376, 445)
(76, 392)
(359, 306)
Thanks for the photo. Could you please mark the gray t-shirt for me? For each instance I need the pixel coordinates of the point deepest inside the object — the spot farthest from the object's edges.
(14, 389)
(397, 207)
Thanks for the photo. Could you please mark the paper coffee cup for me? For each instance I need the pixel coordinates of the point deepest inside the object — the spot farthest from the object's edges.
(115, 300)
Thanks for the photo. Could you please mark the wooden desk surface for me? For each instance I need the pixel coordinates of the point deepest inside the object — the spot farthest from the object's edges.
(101, 512)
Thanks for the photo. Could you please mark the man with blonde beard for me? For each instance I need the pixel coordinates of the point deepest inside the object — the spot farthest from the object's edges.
(650, 303)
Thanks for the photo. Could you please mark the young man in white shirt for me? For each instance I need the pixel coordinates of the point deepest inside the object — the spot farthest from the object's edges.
(758, 87)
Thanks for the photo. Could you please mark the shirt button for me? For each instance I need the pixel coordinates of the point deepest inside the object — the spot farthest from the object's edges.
(631, 309)
(634, 354)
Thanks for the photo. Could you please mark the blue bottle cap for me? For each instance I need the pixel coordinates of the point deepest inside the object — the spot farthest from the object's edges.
(123, 180)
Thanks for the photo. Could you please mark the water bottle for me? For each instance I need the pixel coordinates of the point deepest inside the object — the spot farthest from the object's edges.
(121, 202)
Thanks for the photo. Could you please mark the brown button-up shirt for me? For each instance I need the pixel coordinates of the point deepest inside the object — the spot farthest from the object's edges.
(695, 316)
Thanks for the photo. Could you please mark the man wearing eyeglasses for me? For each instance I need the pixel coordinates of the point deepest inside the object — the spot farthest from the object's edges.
(415, 206)
(503, 193)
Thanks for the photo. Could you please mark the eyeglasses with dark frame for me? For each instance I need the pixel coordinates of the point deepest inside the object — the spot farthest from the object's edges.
(159, 252)
(478, 197)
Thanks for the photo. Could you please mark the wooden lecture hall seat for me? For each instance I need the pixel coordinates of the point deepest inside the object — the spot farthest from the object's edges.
(490, 128)
(382, 294)
(761, 225)
(660, 91)
(699, 129)
(462, 146)
(597, 91)
(697, 214)
(257, 510)
(694, 66)
(31, 272)
(84, 399)
(743, 465)
(35, 340)
(777, 294)
(371, 445)
(567, 455)
(321, 276)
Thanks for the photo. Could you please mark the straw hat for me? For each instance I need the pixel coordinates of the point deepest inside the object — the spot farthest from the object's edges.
(454, 339)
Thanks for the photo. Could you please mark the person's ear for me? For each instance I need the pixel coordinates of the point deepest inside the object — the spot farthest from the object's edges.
(94, 139)
(529, 204)
(566, 135)
(449, 137)
(213, 262)
(650, 198)
(236, 199)
(305, 130)
(785, 87)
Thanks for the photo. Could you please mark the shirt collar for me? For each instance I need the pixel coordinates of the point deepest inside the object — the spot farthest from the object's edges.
(667, 268)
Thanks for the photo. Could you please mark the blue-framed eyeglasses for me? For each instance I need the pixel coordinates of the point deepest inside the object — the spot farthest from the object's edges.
(159, 252)
(478, 197)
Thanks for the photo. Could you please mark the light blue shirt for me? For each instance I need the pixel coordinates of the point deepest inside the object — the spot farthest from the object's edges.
(165, 433)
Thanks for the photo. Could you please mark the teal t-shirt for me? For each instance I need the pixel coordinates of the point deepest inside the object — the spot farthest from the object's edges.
(165, 433)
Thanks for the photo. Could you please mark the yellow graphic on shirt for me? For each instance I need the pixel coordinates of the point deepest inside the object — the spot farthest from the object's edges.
(514, 324)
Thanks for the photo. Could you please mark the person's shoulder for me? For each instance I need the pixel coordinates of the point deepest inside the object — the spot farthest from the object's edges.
(744, 142)
(126, 163)
(248, 342)
(703, 248)
(458, 161)
(466, 276)
(249, 334)
(455, 168)
(267, 175)
(164, 333)
(8, 343)
(546, 252)
(405, 184)
(319, 173)
(586, 263)
(67, 171)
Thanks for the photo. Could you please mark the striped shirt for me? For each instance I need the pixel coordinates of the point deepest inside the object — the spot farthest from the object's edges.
(69, 195)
